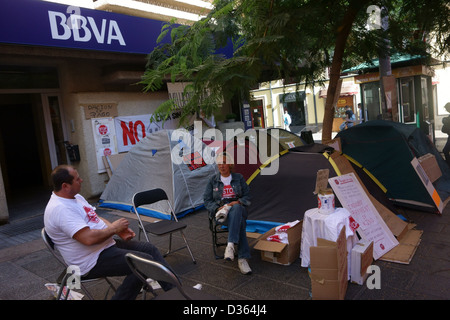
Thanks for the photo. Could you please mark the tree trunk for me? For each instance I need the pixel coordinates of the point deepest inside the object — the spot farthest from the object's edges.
(335, 71)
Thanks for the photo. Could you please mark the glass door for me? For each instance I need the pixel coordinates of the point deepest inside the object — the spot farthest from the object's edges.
(54, 125)
(407, 102)
(371, 100)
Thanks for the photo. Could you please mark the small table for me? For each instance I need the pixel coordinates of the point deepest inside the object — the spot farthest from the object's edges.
(325, 226)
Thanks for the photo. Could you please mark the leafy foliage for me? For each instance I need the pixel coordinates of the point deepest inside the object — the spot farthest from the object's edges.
(294, 40)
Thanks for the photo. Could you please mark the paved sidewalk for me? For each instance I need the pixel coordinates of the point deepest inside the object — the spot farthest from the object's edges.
(26, 265)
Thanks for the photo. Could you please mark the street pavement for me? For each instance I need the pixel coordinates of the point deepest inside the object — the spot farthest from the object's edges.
(26, 265)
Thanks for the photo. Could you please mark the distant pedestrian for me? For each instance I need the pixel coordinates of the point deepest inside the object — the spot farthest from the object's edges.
(349, 119)
(446, 129)
(360, 113)
(287, 120)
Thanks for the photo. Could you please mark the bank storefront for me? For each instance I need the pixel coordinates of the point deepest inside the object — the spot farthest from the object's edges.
(67, 74)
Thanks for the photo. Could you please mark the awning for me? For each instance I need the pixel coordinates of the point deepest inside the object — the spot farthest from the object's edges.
(348, 89)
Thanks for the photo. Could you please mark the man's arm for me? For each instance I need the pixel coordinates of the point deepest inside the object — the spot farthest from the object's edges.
(88, 236)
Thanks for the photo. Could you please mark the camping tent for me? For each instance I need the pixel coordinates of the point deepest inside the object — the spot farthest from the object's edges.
(386, 149)
(253, 147)
(173, 160)
(286, 195)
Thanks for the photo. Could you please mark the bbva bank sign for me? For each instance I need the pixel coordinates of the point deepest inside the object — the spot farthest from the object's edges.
(44, 23)
(84, 29)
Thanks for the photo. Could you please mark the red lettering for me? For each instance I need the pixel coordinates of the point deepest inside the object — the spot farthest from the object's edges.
(128, 132)
(136, 135)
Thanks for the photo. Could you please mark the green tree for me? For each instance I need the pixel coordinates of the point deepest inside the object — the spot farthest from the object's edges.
(293, 40)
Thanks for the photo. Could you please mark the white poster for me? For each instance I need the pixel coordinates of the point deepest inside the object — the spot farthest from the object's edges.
(132, 129)
(104, 138)
(369, 224)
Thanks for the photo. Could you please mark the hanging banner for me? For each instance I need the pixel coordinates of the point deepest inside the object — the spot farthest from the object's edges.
(104, 139)
(132, 129)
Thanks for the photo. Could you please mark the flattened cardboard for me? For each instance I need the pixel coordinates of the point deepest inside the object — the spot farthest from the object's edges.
(281, 253)
(406, 249)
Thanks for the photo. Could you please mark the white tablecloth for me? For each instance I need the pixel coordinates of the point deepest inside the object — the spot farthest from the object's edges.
(325, 226)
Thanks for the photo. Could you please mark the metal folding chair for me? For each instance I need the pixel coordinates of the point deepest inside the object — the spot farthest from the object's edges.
(145, 269)
(65, 275)
(217, 241)
(162, 227)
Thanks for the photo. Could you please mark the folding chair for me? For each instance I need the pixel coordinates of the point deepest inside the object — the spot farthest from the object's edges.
(217, 241)
(145, 269)
(65, 275)
(162, 227)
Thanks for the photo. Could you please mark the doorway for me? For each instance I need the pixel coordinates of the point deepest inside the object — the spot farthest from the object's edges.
(257, 112)
(407, 101)
(24, 155)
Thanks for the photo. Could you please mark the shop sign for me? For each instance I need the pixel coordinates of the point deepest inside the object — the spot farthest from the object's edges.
(45, 23)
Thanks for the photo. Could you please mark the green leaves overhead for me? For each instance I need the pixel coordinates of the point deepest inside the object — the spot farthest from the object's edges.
(293, 40)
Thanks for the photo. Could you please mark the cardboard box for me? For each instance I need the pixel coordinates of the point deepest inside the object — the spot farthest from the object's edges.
(281, 253)
(329, 268)
(361, 259)
(431, 167)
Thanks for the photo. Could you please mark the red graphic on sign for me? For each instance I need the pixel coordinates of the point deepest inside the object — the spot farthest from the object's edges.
(353, 224)
(107, 152)
(103, 129)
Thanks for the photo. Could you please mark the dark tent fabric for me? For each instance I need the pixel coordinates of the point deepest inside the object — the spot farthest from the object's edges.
(386, 149)
(285, 196)
(313, 147)
(372, 187)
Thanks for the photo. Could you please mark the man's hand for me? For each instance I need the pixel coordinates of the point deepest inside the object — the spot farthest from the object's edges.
(88, 236)
(127, 234)
(120, 225)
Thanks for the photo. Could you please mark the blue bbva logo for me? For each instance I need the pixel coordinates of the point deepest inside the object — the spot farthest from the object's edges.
(64, 26)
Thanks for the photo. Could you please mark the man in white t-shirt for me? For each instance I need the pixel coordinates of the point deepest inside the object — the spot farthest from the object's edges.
(86, 240)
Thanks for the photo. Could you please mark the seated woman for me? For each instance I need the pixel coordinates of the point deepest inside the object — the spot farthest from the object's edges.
(229, 188)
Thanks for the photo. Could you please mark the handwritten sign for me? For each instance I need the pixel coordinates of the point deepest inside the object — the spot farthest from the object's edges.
(371, 226)
(322, 180)
(100, 110)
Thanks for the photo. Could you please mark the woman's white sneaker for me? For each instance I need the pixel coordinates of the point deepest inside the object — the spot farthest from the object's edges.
(244, 267)
(229, 253)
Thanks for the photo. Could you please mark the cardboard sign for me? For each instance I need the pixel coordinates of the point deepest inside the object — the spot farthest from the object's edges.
(371, 226)
(100, 110)
(322, 180)
(428, 184)
(329, 267)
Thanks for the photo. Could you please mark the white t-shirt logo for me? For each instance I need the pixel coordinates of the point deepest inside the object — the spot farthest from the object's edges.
(91, 214)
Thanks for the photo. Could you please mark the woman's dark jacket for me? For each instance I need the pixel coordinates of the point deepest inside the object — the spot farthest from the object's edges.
(214, 189)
